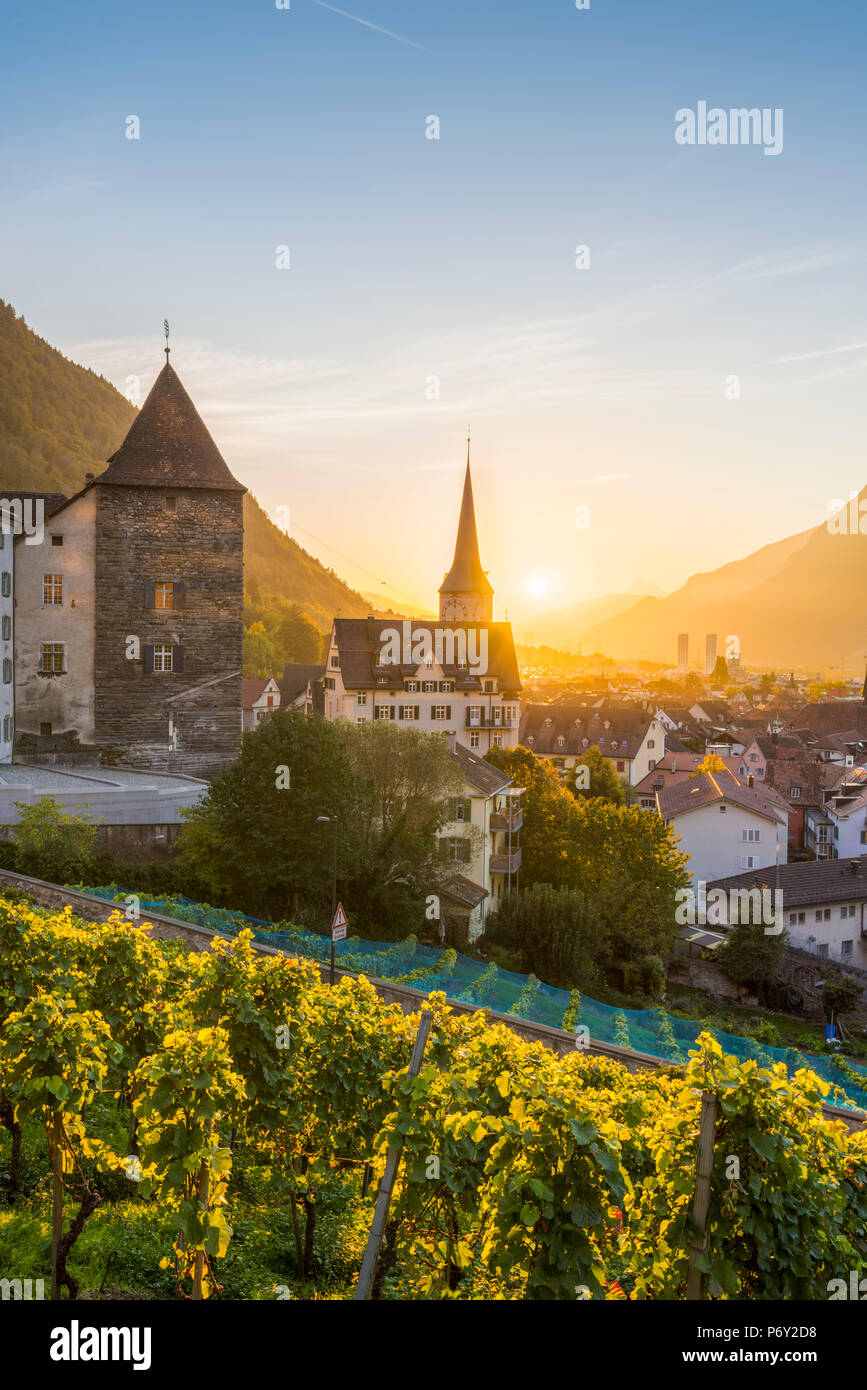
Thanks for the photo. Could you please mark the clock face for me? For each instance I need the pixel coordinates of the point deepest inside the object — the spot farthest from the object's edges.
(458, 609)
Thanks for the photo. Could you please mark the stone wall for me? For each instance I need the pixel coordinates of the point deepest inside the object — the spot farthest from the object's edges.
(189, 720)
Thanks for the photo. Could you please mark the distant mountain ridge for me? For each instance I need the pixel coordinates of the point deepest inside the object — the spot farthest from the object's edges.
(59, 420)
(798, 602)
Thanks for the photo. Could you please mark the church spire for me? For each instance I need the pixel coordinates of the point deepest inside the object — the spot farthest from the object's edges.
(466, 591)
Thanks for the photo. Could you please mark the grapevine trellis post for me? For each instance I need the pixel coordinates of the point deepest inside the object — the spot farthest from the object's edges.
(701, 1202)
(386, 1187)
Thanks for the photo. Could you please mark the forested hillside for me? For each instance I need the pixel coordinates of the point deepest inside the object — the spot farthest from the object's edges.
(59, 421)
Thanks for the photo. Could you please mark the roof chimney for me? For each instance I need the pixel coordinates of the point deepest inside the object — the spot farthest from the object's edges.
(674, 764)
(750, 780)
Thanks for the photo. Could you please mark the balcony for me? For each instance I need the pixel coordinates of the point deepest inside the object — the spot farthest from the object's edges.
(502, 820)
(506, 863)
(489, 721)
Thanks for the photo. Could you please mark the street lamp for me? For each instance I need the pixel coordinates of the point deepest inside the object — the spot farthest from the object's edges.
(332, 820)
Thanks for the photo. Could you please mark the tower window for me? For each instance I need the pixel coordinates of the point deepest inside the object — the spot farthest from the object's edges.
(171, 504)
(7, 627)
(45, 730)
(57, 540)
(164, 595)
(163, 657)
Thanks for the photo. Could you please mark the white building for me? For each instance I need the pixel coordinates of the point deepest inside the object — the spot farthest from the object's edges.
(482, 840)
(724, 826)
(260, 698)
(838, 829)
(824, 905)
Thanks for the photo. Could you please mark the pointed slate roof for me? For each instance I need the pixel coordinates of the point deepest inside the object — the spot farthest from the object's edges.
(168, 444)
(466, 574)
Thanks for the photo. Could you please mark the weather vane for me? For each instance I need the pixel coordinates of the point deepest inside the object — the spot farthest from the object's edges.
(166, 349)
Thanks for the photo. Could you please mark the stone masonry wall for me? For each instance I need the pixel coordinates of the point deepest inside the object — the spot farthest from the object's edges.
(139, 719)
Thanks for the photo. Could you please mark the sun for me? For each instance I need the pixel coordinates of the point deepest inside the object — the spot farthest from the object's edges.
(538, 586)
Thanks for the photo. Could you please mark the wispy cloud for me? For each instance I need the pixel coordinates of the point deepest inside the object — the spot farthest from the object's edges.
(367, 24)
(821, 352)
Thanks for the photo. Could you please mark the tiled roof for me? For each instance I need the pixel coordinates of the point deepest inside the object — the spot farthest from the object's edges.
(463, 891)
(295, 679)
(676, 767)
(627, 729)
(252, 690)
(833, 716)
(711, 787)
(480, 774)
(360, 642)
(818, 881)
(168, 444)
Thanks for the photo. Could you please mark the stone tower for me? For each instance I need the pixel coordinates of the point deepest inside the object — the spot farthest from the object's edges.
(169, 593)
(465, 593)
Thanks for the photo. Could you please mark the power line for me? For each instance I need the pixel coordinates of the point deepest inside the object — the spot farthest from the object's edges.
(350, 561)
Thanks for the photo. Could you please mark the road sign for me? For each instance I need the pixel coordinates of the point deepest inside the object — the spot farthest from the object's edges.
(339, 925)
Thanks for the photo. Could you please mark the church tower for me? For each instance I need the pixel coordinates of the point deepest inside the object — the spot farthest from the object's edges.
(465, 593)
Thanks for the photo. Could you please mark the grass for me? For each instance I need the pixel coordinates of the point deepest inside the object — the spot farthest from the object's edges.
(122, 1244)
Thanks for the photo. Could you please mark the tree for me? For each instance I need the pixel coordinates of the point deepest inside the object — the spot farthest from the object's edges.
(840, 995)
(558, 932)
(750, 957)
(254, 836)
(408, 778)
(622, 858)
(547, 807)
(720, 673)
(601, 777)
(46, 835)
(260, 658)
(712, 762)
(296, 638)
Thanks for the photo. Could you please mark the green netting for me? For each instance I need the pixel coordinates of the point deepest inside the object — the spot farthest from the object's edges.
(645, 1030)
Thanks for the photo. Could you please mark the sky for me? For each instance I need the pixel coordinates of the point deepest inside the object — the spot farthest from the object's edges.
(686, 389)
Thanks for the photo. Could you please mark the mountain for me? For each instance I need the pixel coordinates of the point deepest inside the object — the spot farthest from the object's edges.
(567, 628)
(59, 421)
(796, 603)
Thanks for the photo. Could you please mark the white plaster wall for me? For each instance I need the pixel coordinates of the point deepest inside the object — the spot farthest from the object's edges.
(66, 702)
(715, 843)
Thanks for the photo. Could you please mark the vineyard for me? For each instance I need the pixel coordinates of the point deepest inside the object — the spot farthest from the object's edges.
(653, 1031)
(215, 1124)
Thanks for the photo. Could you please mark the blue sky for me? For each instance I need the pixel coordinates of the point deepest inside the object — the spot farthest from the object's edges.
(412, 258)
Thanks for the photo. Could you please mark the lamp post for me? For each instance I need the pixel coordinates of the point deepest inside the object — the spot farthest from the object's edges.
(331, 820)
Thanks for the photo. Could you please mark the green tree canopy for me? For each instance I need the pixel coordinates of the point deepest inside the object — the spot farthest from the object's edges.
(603, 780)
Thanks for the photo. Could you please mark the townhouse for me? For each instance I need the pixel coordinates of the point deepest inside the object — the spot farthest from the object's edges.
(630, 738)
(724, 825)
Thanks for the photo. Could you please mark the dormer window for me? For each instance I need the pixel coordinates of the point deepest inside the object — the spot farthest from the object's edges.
(531, 739)
(561, 742)
(548, 723)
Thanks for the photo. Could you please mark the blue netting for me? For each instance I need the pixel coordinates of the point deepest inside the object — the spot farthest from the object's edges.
(645, 1030)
